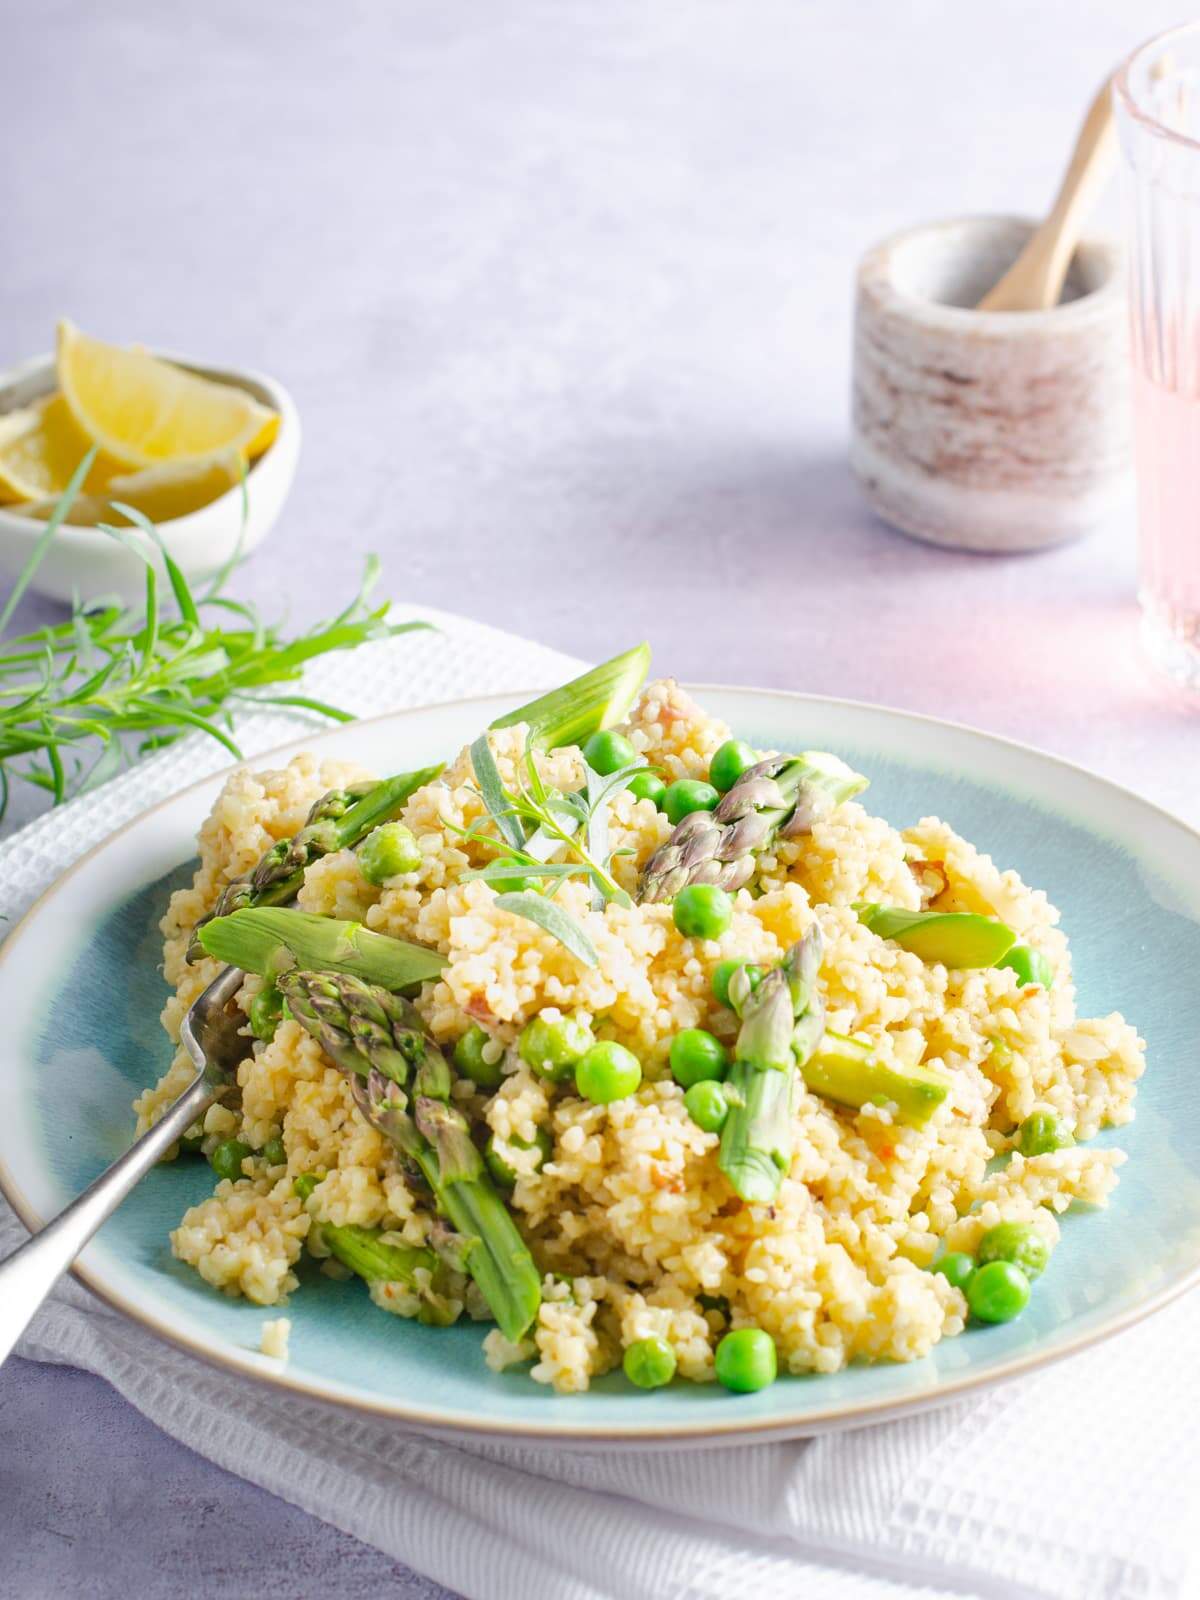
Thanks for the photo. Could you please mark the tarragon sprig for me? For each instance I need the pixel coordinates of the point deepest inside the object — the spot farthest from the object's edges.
(532, 822)
(80, 698)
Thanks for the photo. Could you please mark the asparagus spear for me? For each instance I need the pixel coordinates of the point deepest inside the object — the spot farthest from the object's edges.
(955, 938)
(264, 939)
(597, 699)
(337, 821)
(377, 1259)
(846, 1070)
(436, 1139)
(401, 1082)
(778, 798)
(782, 1022)
(359, 1025)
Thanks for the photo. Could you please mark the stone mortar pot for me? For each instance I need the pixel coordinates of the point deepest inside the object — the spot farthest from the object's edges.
(989, 430)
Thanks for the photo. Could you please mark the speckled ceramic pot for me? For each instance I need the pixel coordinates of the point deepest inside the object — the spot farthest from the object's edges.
(990, 431)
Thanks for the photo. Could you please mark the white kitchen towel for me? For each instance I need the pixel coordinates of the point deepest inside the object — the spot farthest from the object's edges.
(1079, 1483)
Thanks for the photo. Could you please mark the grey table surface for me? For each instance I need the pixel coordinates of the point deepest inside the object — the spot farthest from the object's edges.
(562, 289)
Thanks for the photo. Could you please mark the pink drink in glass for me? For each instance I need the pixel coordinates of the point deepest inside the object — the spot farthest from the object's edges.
(1157, 100)
(1167, 443)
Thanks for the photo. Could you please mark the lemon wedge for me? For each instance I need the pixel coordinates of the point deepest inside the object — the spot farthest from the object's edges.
(161, 493)
(40, 447)
(142, 411)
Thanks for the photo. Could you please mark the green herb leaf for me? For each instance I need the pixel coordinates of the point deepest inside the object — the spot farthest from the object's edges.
(69, 692)
(53, 522)
(491, 787)
(179, 584)
(554, 920)
(509, 867)
(601, 791)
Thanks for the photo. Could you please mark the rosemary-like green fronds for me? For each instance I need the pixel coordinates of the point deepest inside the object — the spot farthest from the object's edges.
(81, 698)
(528, 825)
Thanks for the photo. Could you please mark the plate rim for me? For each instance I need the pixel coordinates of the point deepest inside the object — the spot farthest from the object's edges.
(454, 1425)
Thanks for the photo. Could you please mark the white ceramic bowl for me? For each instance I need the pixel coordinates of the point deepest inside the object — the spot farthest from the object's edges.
(86, 562)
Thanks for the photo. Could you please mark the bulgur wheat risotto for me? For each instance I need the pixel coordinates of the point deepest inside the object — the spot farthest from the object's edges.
(625, 1194)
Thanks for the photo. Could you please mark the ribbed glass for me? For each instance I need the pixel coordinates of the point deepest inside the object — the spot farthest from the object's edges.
(1158, 115)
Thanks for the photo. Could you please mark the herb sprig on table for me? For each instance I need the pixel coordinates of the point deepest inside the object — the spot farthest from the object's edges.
(82, 698)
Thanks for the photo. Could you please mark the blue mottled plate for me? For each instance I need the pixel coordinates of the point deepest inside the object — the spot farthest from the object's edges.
(80, 993)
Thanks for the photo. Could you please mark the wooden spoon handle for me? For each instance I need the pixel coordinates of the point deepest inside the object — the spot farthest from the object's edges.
(1035, 279)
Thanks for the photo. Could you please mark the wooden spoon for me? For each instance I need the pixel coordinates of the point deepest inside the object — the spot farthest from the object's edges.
(1035, 279)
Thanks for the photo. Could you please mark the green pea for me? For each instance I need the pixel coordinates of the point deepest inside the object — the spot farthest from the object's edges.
(553, 1048)
(1018, 1242)
(650, 1363)
(607, 1072)
(1029, 965)
(504, 1175)
(226, 1160)
(728, 764)
(958, 1268)
(1040, 1133)
(274, 1154)
(514, 882)
(469, 1058)
(702, 911)
(746, 1361)
(266, 1011)
(686, 795)
(695, 1056)
(998, 1292)
(387, 852)
(707, 1105)
(304, 1185)
(607, 752)
(724, 971)
(648, 786)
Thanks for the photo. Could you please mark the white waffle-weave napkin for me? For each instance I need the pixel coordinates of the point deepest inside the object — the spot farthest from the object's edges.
(1082, 1483)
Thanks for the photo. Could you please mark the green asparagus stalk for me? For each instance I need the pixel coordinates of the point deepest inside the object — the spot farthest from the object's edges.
(377, 1259)
(598, 699)
(337, 821)
(265, 939)
(401, 1083)
(756, 1144)
(845, 1070)
(500, 1264)
(783, 1016)
(359, 1025)
(778, 798)
(498, 1258)
(955, 938)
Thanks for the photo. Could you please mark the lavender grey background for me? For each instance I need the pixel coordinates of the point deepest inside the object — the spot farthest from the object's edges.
(562, 290)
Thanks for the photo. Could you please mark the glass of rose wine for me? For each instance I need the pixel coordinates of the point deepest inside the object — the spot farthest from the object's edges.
(1157, 96)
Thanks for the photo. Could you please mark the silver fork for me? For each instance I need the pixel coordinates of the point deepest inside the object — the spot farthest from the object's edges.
(210, 1036)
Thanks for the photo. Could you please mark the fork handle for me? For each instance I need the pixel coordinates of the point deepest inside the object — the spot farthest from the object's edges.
(28, 1275)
